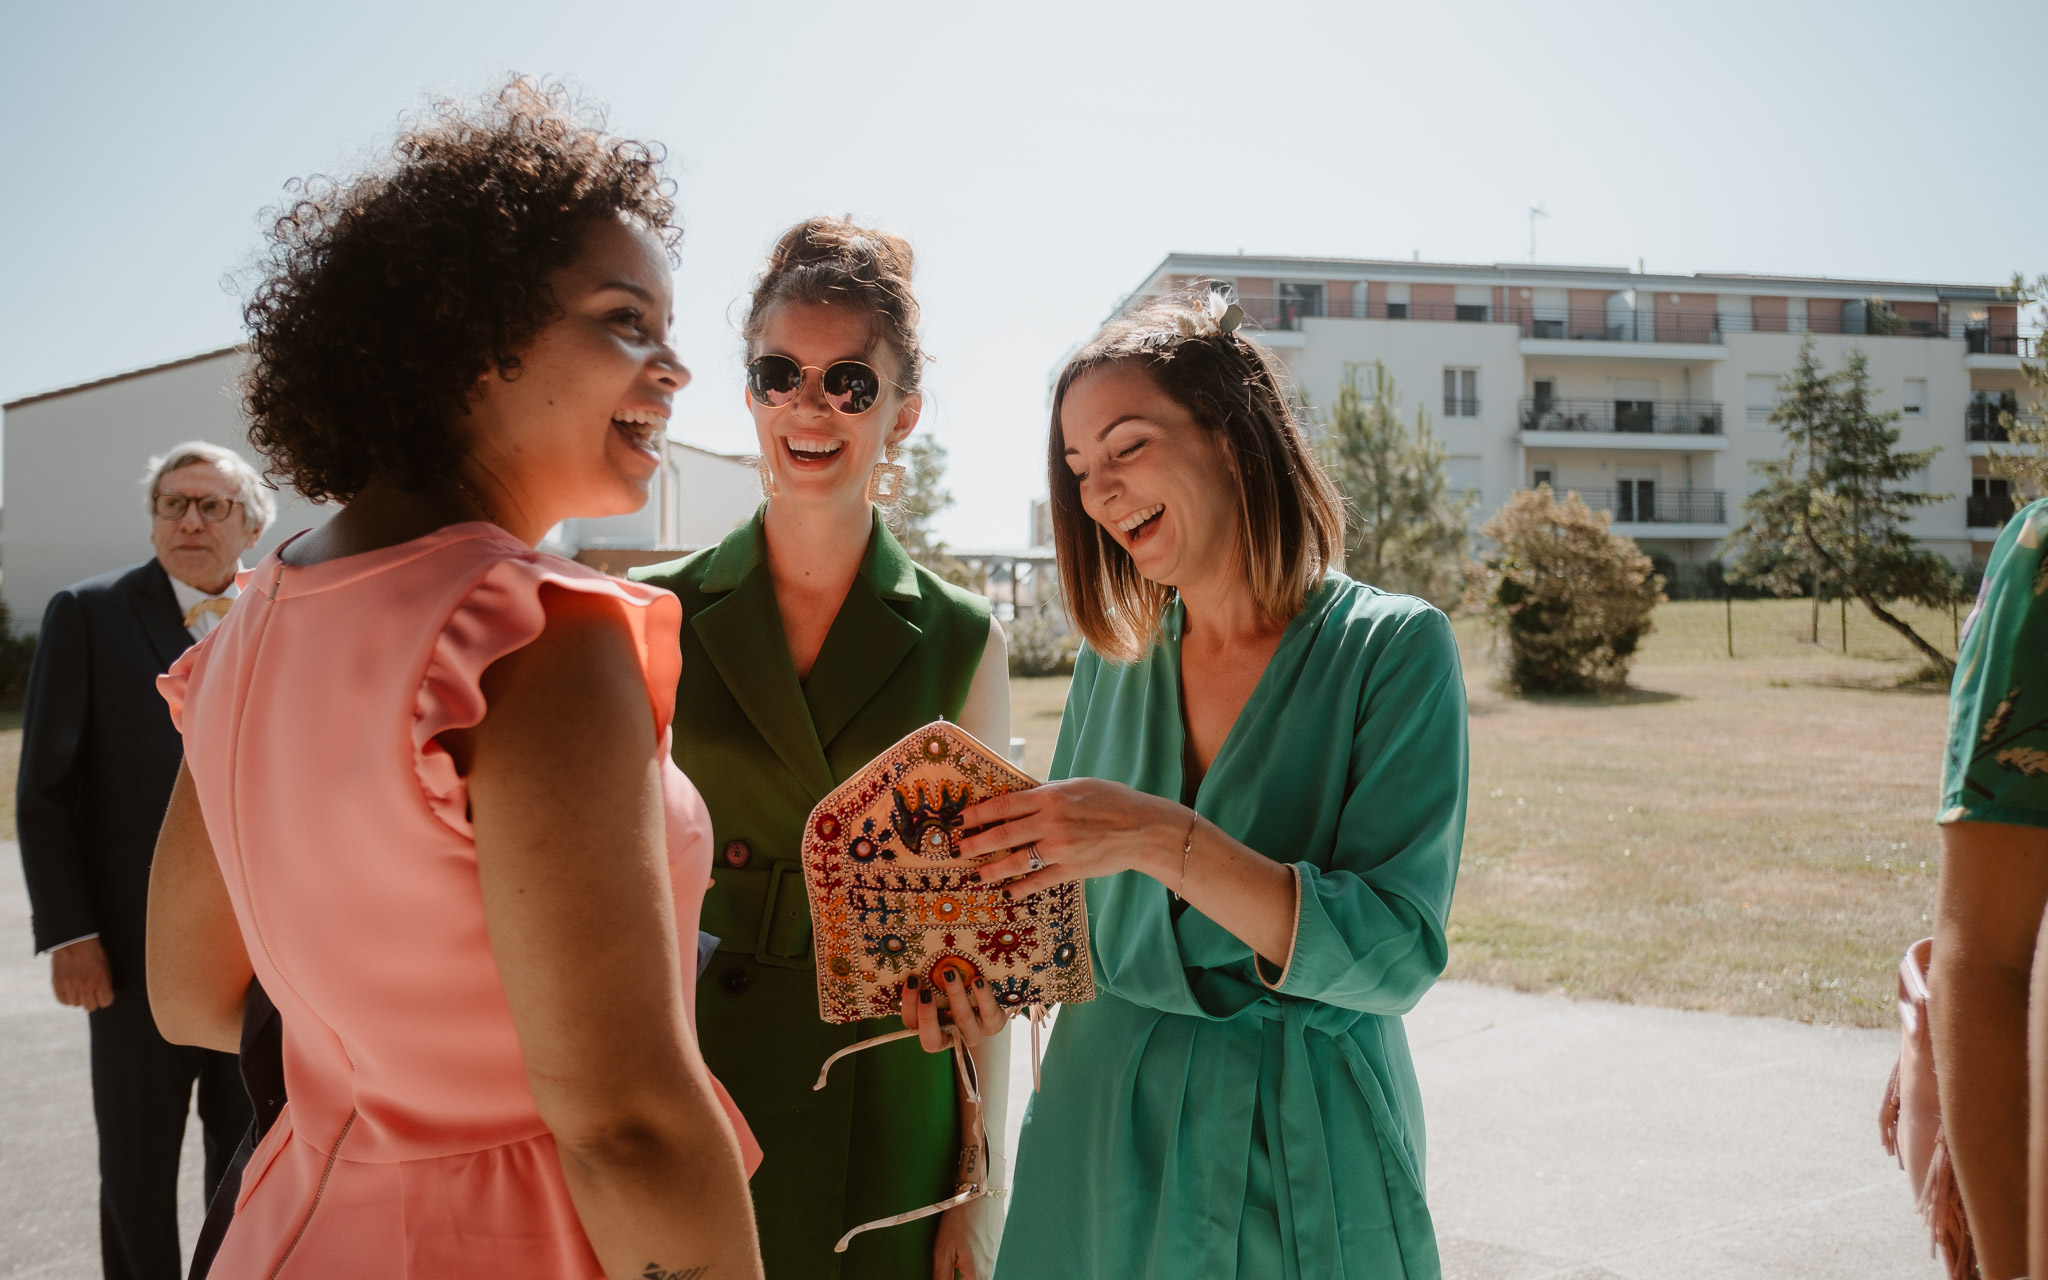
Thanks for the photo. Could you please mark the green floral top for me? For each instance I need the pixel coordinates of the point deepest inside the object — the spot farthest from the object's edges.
(1997, 765)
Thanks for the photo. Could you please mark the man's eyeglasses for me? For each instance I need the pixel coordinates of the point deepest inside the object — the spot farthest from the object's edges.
(213, 508)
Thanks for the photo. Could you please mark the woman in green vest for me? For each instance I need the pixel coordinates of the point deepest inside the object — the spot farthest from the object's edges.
(1266, 798)
(811, 643)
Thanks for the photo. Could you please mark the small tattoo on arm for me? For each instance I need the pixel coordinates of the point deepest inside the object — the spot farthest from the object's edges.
(655, 1272)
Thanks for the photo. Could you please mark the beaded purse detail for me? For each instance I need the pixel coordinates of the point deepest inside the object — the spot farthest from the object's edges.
(890, 894)
(890, 897)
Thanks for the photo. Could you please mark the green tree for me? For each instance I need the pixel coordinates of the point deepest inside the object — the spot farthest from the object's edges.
(2027, 466)
(1404, 529)
(924, 496)
(1571, 598)
(1834, 508)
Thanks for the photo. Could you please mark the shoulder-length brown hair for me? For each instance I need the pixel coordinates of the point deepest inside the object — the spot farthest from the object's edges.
(1290, 521)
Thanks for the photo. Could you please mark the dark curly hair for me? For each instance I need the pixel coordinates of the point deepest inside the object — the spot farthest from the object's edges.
(384, 298)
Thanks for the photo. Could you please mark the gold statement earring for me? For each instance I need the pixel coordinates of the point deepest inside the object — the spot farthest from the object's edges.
(885, 482)
(767, 476)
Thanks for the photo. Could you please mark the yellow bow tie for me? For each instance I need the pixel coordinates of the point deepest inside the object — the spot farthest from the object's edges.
(218, 607)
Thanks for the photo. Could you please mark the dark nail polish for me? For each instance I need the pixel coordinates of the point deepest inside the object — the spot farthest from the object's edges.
(1008, 894)
(911, 981)
(979, 983)
(924, 995)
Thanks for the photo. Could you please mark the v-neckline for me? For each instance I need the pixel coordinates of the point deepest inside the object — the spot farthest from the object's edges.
(1261, 692)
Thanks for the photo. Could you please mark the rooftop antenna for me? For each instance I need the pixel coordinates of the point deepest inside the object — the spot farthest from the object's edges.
(1535, 211)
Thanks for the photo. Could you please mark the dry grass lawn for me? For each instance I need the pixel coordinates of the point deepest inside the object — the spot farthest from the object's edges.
(10, 760)
(1751, 835)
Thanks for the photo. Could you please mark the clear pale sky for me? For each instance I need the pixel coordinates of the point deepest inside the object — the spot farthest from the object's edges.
(1041, 158)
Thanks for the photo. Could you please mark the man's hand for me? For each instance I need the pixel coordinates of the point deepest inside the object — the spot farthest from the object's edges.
(80, 976)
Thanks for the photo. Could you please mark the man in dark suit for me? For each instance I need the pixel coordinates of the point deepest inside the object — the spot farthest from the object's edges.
(98, 757)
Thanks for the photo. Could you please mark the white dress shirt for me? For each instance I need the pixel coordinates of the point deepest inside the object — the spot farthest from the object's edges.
(190, 595)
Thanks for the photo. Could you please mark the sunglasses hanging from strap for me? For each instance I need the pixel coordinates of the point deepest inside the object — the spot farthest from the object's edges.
(974, 1161)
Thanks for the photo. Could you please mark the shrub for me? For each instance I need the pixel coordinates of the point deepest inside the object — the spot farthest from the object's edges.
(1572, 599)
(16, 653)
(1039, 644)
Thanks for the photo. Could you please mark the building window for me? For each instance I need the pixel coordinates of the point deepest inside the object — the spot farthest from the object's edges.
(1397, 311)
(1985, 418)
(1296, 302)
(1462, 475)
(1762, 400)
(1635, 501)
(1991, 502)
(1540, 477)
(1914, 403)
(1461, 393)
(1471, 311)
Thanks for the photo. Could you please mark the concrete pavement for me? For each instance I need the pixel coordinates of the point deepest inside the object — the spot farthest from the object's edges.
(49, 1179)
(1575, 1141)
(1567, 1141)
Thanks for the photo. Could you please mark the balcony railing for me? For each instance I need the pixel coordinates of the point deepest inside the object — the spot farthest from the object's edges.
(1644, 506)
(1640, 417)
(1987, 341)
(1987, 510)
(1986, 423)
(1604, 324)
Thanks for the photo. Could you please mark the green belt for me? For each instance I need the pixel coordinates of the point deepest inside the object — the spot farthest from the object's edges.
(761, 912)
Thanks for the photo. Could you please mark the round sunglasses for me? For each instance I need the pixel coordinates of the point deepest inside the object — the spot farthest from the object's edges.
(850, 386)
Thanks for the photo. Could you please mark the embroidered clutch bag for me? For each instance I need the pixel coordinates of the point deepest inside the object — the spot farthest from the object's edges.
(890, 894)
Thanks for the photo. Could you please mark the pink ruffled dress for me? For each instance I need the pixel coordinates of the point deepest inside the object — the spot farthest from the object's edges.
(411, 1146)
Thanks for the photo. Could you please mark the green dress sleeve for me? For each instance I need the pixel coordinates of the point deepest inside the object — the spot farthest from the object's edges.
(1996, 767)
(1369, 926)
(1348, 765)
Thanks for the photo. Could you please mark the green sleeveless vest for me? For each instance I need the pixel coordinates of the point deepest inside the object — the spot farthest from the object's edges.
(763, 749)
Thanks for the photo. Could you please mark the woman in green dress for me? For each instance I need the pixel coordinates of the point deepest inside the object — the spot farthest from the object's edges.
(1265, 790)
(812, 643)
(1987, 985)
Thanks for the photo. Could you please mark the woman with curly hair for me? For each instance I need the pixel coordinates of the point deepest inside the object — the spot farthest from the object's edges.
(1261, 777)
(814, 644)
(426, 800)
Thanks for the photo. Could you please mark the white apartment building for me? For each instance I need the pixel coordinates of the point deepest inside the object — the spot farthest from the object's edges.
(74, 457)
(1649, 395)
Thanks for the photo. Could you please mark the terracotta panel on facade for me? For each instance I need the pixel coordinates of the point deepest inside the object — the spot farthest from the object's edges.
(1432, 301)
(1766, 313)
(1255, 294)
(1823, 315)
(1376, 299)
(1589, 313)
(1688, 319)
(1337, 301)
(2004, 319)
(1920, 312)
